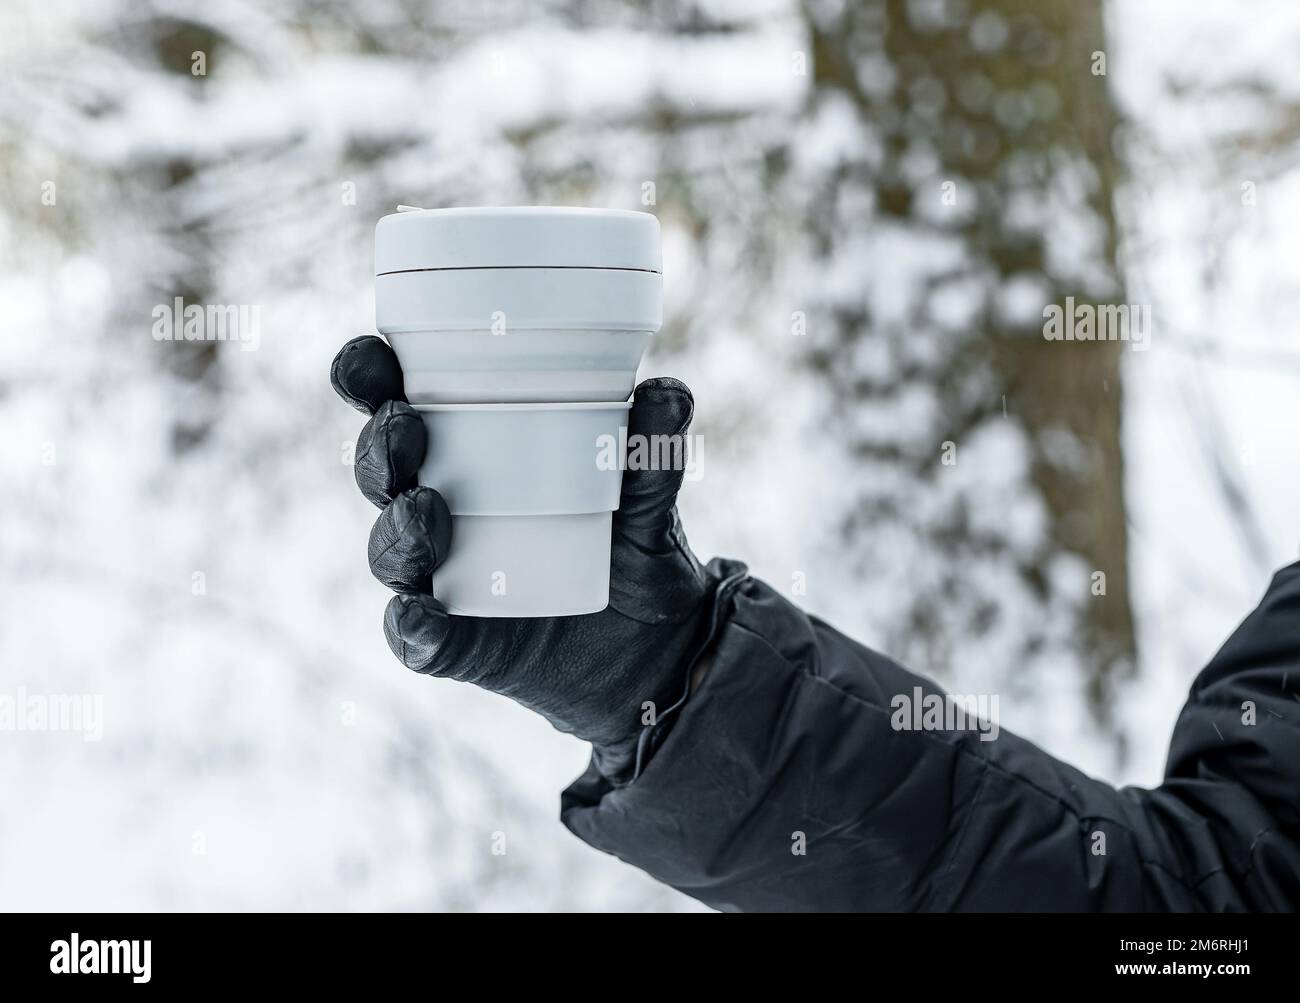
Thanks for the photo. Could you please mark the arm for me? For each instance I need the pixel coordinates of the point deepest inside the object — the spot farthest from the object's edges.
(789, 732)
(785, 744)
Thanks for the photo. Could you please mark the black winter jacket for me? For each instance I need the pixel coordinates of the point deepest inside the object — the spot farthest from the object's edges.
(787, 745)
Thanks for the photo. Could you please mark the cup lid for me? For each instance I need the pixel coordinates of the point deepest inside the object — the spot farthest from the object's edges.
(517, 237)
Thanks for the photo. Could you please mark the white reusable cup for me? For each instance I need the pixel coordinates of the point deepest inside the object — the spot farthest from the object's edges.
(519, 332)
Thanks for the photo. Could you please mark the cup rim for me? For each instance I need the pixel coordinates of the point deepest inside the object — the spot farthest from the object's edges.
(531, 406)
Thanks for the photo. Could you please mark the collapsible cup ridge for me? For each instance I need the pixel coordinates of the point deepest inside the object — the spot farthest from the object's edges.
(529, 304)
(520, 331)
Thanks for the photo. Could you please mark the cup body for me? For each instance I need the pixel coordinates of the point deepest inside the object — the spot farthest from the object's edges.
(531, 489)
(519, 332)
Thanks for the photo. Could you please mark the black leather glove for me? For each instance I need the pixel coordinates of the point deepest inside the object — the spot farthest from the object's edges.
(589, 675)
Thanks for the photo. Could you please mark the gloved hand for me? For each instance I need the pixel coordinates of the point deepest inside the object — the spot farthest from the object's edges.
(588, 675)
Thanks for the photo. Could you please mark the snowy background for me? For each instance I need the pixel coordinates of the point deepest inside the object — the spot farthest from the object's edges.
(180, 532)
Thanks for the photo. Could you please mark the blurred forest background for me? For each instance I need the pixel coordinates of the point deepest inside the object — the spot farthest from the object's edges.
(866, 207)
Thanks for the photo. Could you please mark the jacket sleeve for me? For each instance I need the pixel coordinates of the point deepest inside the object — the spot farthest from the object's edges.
(782, 783)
